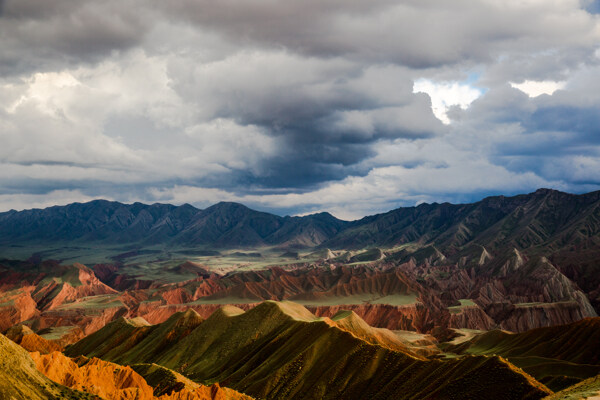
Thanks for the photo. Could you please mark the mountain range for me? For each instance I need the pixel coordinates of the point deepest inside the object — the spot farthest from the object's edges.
(224, 225)
(546, 218)
(562, 228)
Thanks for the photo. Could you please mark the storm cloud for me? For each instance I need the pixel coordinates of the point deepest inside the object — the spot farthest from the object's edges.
(299, 106)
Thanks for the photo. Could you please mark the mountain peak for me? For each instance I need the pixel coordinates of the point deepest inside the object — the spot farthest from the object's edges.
(552, 193)
(546, 191)
(120, 322)
(284, 308)
(188, 317)
(138, 322)
(227, 311)
(226, 205)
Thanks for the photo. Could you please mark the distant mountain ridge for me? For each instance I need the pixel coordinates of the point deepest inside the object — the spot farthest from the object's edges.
(546, 218)
(222, 225)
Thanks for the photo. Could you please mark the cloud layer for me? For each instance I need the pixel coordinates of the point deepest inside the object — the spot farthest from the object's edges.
(348, 106)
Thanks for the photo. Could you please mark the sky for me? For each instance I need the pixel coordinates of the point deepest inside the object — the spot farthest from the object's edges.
(298, 106)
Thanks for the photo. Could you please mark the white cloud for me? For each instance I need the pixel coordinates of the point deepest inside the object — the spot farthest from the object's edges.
(42, 88)
(537, 88)
(445, 95)
(223, 141)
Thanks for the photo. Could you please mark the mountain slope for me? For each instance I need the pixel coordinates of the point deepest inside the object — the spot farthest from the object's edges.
(125, 339)
(417, 291)
(564, 228)
(169, 385)
(46, 293)
(107, 380)
(576, 342)
(587, 389)
(281, 350)
(558, 356)
(94, 221)
(555, 235)
(308, 231)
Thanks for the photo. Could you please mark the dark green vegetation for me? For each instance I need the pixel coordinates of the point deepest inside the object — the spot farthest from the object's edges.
(19, 378)
(281, 350)
(558, 356)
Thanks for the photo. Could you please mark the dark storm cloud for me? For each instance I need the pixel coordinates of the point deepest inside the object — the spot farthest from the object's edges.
(420, 34)
(313, 146)
(415, 33)
(324, 114)
(41, 35)
(556, 137)
(317, 149)
(581, 121)
(294, 172)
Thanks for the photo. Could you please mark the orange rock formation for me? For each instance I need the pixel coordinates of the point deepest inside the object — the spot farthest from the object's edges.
(116, 382)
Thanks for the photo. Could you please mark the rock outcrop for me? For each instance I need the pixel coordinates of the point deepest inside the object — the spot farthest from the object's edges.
(16, 306)
(107, 380)
(26, 338)
(112, 381)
